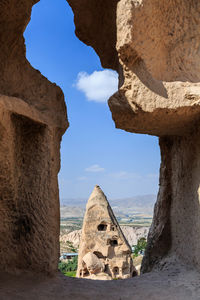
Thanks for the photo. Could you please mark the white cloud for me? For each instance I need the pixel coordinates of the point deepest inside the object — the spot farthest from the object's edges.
(125, 175)
(94, 168)
(98, 86)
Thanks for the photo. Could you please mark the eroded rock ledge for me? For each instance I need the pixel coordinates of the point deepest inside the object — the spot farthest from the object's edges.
(157, 46)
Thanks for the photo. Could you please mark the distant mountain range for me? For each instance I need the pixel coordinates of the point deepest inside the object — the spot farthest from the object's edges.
(122, 207)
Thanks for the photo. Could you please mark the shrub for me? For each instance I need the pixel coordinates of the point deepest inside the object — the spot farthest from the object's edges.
(70, 266)
(140, 247)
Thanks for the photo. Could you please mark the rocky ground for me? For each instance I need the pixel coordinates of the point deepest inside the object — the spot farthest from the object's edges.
(173, 282)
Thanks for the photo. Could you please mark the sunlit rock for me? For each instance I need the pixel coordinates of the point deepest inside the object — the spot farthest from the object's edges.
(103, 247)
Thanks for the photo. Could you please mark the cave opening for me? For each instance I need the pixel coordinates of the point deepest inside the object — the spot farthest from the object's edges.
(102, 227)
(116, 271)
(124, 164)
(112, 242)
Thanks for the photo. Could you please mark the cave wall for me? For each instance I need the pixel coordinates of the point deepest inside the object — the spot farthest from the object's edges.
(30, 135)
(157, 45)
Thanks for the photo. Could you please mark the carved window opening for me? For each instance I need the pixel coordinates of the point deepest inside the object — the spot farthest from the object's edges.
(112, 242)
(106, 268)
(116, 271)
(102, 227)
(112, 228)
(134, 274)
(85, 272)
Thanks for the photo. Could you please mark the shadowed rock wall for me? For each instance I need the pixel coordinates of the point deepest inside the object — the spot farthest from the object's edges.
(30, 135)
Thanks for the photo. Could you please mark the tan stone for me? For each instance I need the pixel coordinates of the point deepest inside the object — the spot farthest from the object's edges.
(156, 95)
(104, 251)
(33, 119)
(131, 233)
(92, 263)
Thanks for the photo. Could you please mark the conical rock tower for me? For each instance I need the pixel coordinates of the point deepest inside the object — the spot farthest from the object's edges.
(104, 252)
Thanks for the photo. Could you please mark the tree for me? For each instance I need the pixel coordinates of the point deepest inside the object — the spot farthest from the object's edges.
(140, 247)
(69, 266)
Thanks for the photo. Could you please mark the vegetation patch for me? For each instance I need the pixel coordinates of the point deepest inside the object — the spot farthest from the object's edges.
(140, 247)
(69, 268)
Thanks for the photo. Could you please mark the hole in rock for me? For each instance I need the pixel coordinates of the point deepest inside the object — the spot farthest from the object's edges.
(112, 228)
(102, 227)
(93, 151)
(116, 271)
(112, 243)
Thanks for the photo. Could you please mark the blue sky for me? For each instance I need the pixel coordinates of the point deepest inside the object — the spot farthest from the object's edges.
(93, 151)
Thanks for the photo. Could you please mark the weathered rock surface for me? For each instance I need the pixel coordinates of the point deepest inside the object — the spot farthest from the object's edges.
(174, 283)
(157, 46)
(73, 237)
(158, 49)
(132, 235)
(33, 119)
(103, 247)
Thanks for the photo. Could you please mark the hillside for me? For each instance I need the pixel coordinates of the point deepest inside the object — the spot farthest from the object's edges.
(122, 207)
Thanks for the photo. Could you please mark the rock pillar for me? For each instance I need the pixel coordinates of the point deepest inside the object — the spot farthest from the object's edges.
(104, 252)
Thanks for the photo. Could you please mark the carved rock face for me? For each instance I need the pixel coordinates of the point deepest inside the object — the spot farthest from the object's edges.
(158, 54)
(103, 248)
(33, 119)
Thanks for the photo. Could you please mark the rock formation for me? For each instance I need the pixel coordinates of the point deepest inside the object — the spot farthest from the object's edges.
(134, 233)
(72, 237)
(131, 233)
(157, 44)
(104, 252)
(30, 135)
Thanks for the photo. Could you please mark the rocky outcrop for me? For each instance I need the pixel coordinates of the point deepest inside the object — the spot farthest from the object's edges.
(104, 252)
(73, 237)
(132, 235)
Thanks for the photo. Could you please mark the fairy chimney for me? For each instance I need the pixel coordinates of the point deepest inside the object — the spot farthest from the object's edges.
(104, 252)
